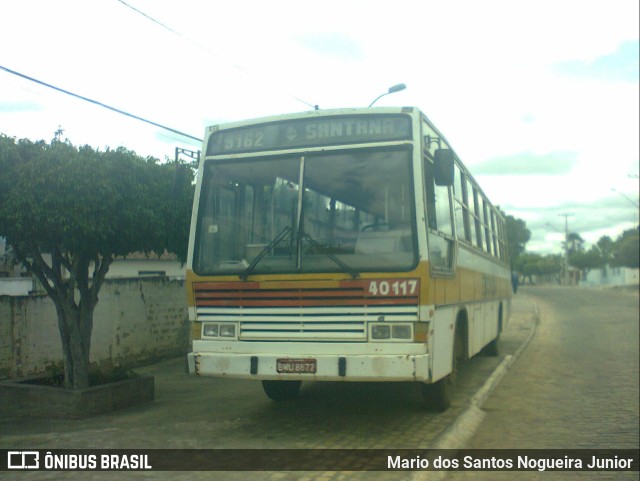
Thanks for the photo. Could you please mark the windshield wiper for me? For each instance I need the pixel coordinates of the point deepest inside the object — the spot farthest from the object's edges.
(264, 252)
(345, 267)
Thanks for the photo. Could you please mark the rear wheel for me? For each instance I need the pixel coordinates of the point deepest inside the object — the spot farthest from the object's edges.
(281, 390)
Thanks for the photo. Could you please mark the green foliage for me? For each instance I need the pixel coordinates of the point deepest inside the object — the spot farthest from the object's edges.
(551, 264)
(627, 249)
(531, 264)
(574, 243)
(83, 207)
(527, 263)
(517, 236)
(80, 200)
(585, 261)
(606, 247)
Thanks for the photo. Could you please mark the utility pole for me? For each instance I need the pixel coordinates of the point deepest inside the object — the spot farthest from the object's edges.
(192, 154)
(566, 246)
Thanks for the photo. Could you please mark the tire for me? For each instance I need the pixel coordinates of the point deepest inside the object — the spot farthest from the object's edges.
(281, 390)
(492, 349)
(438, 395)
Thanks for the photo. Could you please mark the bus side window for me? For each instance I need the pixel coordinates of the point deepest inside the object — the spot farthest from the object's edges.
(473, 238)
(486, 225)
(477, 217)
(461, 212)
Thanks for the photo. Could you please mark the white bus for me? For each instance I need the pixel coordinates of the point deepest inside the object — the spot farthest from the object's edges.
(342, 245)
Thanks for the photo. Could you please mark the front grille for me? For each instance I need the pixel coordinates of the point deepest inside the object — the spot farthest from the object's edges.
(292, 311)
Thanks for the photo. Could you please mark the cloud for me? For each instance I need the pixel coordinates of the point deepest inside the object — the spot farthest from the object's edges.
(331, 44)
(607, 216)
(619, 66)
(529, 163)
(17, 107)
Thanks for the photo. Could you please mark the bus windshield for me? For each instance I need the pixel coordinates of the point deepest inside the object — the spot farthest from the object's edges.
(349, 211)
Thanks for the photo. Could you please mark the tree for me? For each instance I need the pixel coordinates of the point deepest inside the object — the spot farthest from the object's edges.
(606, 246)
(627, 249)
(84, 207)
(574, 243)
(585, 261)
(517, 236)
(550, 264)
(528, 264)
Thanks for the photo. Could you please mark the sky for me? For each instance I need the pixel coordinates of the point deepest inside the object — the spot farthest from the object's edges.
(540, 99)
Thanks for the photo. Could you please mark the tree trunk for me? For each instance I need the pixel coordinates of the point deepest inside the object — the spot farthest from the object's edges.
(75, 324)
(75, 319)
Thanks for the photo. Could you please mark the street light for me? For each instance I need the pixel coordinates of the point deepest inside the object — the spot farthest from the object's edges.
(394, 89)
(630, 201)
(623, 195)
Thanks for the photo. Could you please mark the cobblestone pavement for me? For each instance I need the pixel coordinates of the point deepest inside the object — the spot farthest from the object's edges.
(575, 386)
(191, 412)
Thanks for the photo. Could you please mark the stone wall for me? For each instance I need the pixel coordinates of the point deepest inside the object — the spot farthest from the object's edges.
(136, 321)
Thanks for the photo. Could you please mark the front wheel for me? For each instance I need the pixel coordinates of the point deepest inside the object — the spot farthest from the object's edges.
(437, 396)
(281, 390)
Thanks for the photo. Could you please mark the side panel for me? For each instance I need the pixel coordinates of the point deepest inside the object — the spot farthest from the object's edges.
(442, 342)
(476, 327)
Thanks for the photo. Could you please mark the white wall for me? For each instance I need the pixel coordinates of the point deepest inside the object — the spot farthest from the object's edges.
(133, 268)
(136, 321)
(615, 276)
(15, 286)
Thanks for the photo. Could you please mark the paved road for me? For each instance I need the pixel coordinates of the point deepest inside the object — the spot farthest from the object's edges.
(191, 412)
(575, 386)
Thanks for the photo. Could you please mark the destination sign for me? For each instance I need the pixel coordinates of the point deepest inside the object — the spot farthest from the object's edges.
(312, 132)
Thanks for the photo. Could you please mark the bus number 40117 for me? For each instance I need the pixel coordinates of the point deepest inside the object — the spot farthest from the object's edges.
(393, 288)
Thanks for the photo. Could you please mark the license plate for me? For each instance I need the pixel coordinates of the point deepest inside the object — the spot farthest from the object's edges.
(296, 366)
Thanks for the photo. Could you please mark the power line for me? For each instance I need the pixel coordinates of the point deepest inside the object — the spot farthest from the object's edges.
(209, 51)
(100, 104)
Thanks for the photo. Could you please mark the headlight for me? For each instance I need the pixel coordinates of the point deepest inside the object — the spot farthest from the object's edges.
(401, 332)
(391, 332)
(219, 329)
(380, 331)
(210, 330)
(227, 330)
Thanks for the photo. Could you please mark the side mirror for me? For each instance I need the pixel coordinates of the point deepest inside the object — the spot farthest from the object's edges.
(443, 167)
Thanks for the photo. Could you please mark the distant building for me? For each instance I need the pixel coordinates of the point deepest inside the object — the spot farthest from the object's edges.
(16, 281)
(612, 276)
(139, 264)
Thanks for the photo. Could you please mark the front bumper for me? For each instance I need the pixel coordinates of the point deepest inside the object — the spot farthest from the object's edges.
(348, 367)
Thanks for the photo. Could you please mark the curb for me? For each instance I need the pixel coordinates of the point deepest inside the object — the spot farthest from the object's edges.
(468, 423)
